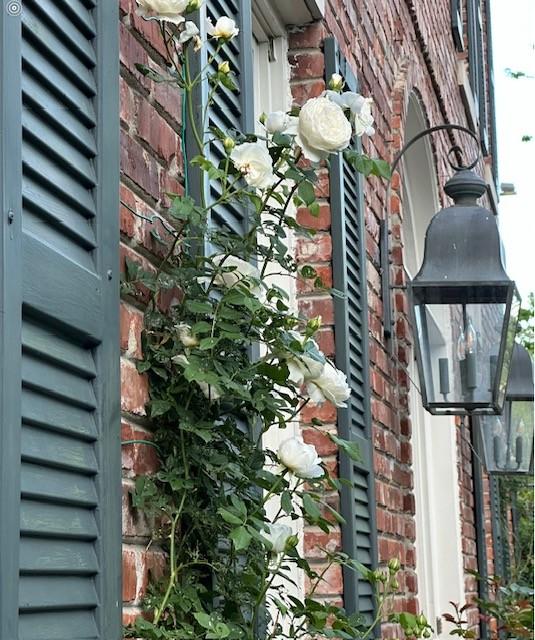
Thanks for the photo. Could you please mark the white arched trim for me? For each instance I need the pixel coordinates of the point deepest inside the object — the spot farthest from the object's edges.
(439, 565)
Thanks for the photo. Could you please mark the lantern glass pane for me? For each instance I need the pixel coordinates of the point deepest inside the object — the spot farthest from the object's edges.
(459, 350)
(508, 439)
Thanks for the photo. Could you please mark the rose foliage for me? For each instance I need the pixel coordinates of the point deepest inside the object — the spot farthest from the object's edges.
(229, 360)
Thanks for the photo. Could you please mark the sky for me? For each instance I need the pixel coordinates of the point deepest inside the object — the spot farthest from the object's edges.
(513, 32)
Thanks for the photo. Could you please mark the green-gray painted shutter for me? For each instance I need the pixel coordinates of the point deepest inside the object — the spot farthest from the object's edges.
(351, 341)
(231, 111)
(63, 578)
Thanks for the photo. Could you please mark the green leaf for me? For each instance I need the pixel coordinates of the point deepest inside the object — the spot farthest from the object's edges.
(277, 373)
(310, 507)
(308, 272)
(159, 407)
(381, 169)
(229, 517)
(352, 449)
(150, 73)
(306, 192)
(208, 343)
(197, 306)
(241, 538)
(314, 209)
(286, 502)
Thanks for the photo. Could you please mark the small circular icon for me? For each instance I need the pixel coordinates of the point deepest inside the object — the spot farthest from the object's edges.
(14, 8)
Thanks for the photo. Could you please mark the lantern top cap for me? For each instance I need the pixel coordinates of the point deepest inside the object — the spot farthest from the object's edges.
(465, 188)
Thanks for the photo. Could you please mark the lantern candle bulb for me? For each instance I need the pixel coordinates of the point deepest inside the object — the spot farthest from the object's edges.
(444, 377)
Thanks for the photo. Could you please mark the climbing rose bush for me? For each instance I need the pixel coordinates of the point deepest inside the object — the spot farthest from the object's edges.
(229, 361)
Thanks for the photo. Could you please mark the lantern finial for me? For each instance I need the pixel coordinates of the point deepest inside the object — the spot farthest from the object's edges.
(465, 188)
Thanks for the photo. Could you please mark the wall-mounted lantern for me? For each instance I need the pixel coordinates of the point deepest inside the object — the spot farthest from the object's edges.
(508, 439)
(464, 307)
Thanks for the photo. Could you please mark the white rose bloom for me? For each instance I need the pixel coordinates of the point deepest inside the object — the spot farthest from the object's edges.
(323, 128)
(278, 535)
(254, 162)
(303, 368)
(185, 336)
(281, 122)
(364, 119)
(190, 31)
(225, 28)
(300, 458)
(360, 108)
(210, 391)
(243, 272)
(331, 385)
(163, 10)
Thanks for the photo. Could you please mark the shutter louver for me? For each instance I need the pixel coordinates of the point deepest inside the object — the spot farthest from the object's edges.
(69, 466)
(351, 342)
(230, 111)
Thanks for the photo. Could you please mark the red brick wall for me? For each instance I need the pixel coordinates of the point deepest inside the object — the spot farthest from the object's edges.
(396, 47)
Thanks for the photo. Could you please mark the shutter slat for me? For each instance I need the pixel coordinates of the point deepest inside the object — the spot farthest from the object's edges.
(72, 294)
(39, 375)
(49, 626)
(54, 592)
(55, 415)
(63, 557)
(53, 449)
(60, 487)
(57, 521)
(50, 346)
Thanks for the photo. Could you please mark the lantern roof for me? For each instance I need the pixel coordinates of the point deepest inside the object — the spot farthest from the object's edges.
(520, 384)
(462, 242)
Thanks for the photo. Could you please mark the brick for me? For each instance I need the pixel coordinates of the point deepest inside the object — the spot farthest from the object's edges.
(312, 307)
(322, 222)
(303, 91)
(129, 575)
(307, 37)
(134, 389)
(316, 541)
(138, 458)
(138, 165)
(306, 65)
(131, 328)
(316, 249)
(326, 413)
(331, 584)
(324, 445)
(324, 272)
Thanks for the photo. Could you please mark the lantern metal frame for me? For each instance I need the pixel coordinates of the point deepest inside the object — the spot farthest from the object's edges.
(476, 266)
(519, 389)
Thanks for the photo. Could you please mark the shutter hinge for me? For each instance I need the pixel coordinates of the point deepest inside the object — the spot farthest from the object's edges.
(10, 216)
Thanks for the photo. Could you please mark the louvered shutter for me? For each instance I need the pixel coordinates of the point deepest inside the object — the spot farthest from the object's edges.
(351, 341)
(231, 111)
(63, 580)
